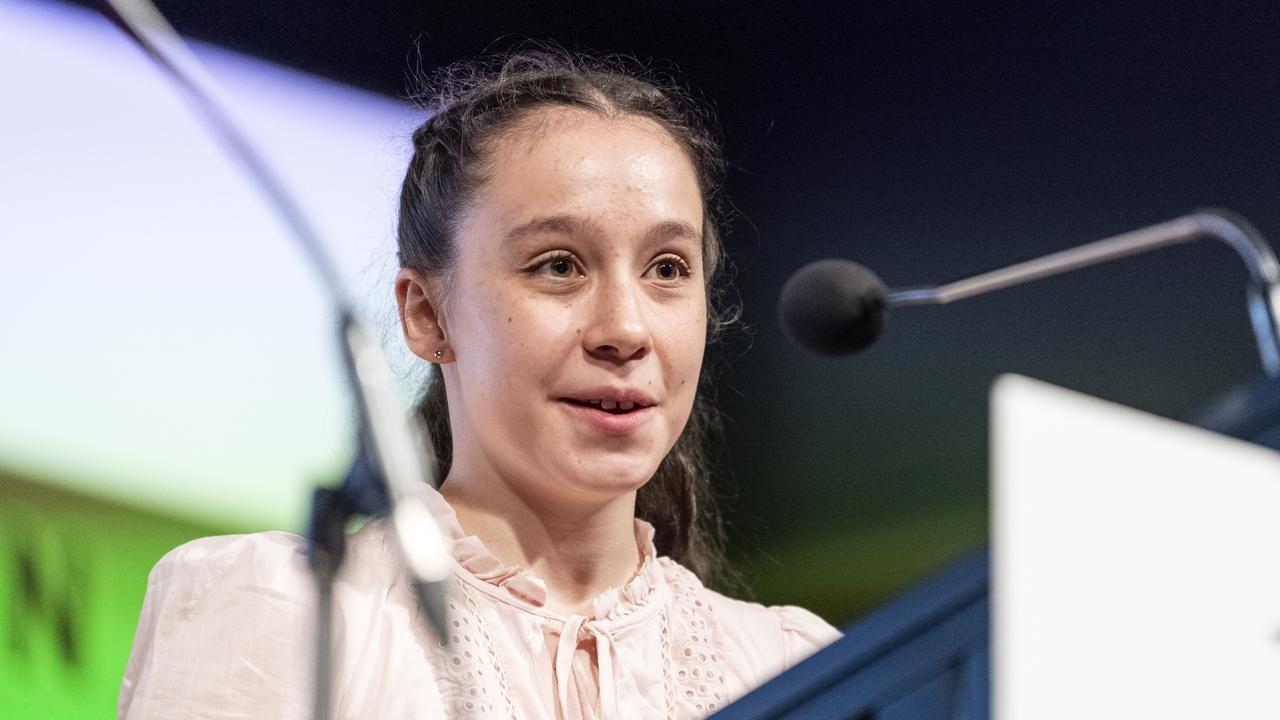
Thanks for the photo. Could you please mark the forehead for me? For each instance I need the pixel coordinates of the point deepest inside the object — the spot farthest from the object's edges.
(545, 124)
(611, 169)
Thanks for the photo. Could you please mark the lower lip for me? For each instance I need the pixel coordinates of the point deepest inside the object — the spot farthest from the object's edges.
(607, 422)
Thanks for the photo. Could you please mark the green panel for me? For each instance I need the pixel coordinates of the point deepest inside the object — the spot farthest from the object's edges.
(73, 575)
(846, 572)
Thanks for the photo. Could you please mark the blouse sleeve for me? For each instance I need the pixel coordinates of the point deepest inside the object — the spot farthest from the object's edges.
(224, 632)
(803, 633)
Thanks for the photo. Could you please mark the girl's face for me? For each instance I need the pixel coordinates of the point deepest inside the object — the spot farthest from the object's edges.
(577, 317)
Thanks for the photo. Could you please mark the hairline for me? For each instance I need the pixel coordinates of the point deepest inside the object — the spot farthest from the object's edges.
(541, 116)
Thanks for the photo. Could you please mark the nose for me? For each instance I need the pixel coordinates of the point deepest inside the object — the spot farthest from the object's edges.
(619, 328)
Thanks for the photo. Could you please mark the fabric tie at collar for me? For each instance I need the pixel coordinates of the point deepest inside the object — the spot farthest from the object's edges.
(605, 650)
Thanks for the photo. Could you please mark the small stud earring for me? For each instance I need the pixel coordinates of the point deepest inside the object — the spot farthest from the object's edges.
(439, 354)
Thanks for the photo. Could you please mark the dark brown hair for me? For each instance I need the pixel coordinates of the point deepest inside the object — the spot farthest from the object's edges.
(471, 105)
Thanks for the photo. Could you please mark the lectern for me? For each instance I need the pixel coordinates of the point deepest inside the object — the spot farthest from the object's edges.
(922, 656)
(1135, 568)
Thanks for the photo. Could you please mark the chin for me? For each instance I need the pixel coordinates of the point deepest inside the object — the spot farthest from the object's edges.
(612, 476)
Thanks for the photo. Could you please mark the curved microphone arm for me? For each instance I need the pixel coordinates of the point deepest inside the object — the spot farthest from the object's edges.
(400, 450)
(1264, 271)
(143, 22)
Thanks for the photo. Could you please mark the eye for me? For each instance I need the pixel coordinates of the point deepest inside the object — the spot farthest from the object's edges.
(560, 266)
(669, 268)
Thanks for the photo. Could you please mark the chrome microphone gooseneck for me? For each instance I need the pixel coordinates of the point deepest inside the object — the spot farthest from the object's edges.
(1264, 271)
(837, 307)
(400, 450)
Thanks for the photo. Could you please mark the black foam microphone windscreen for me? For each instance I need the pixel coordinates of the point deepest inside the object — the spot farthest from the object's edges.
(833, 307)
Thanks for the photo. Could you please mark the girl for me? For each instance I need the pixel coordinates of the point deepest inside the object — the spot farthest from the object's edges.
(559, 259)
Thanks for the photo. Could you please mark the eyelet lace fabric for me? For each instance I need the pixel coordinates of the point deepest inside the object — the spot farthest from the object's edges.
(472, 683)
(694, 669)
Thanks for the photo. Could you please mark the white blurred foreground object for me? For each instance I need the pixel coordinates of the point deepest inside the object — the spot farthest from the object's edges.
(1136, 563)
(192, 370)
(399, 446)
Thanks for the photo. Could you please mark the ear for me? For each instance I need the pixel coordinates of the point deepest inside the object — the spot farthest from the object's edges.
(420, 318)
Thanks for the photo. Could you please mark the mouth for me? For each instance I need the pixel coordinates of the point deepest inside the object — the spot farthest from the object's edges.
(612, 411)
(613, 407)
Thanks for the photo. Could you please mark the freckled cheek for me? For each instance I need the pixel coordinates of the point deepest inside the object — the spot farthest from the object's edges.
(521, 338)
(685, 347)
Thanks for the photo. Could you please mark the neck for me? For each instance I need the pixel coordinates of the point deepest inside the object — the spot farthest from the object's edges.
(579, 550)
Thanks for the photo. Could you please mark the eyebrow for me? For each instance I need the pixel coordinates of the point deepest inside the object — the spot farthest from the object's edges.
(573, 225)
(556, 224)
(674, 229)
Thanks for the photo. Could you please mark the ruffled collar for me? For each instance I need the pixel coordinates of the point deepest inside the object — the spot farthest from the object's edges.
(523, 586)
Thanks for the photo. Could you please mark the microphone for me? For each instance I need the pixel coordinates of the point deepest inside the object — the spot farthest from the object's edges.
(833, 307)
(396, 460)
(837, 307)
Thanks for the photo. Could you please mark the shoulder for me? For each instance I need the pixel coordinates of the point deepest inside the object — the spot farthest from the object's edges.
(217, 613)
(272, 562)
(777, 636)
(227, 622)
(204, 566)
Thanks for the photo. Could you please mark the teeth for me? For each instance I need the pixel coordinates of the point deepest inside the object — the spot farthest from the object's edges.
(623, 405)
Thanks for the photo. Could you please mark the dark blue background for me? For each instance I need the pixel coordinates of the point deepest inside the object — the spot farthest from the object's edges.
(929, 142)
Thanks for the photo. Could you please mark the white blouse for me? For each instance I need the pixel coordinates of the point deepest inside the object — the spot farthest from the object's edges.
(227, 632)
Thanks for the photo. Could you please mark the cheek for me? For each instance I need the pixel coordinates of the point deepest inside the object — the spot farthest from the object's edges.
(686, 346)
(510, 339)
(485, 324)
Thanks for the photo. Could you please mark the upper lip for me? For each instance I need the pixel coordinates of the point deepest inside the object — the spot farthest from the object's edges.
(636, 396)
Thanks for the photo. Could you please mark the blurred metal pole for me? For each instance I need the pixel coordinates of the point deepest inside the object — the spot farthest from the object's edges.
(405, 461)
